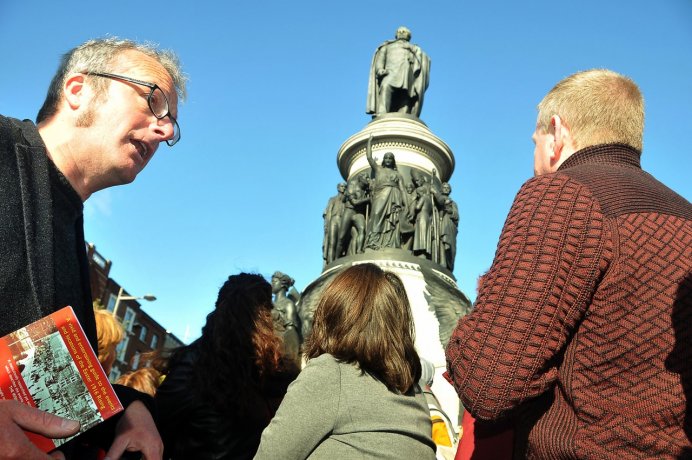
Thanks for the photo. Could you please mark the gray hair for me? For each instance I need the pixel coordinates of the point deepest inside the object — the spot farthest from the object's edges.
(98, 56)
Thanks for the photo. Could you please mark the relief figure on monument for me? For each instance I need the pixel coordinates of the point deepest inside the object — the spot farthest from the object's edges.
(399, 76)
(407, 227)
(388, 202)
(351, 236)
(422, 215)
(285, 315)
(332, 222)
(448, 228)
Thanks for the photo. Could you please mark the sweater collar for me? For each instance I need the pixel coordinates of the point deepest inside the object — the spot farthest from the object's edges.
(606, 154)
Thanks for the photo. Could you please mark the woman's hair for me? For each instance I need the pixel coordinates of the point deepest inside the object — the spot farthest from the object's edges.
(364, 317)
(238, 350)
(146, 380)
(109, 333)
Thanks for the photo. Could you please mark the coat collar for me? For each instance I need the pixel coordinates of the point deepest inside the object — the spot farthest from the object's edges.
(605, 154)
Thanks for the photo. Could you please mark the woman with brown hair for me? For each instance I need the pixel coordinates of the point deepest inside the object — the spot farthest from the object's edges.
(222, 390)
(358, 395)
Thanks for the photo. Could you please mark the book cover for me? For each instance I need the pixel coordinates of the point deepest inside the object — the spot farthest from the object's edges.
(50, 365)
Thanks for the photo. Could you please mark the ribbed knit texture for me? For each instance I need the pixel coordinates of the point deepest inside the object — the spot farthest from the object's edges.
(588, 304)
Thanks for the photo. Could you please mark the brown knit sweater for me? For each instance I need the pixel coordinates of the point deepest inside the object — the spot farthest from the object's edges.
(582, 328)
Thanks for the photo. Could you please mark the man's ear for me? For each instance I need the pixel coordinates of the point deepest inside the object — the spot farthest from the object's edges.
(75, 91)
(560, 131)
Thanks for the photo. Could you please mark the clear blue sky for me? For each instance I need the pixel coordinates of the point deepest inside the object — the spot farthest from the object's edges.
(276, 87)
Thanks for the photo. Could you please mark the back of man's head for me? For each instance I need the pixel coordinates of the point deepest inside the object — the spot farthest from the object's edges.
(99, 56)
(599, 106)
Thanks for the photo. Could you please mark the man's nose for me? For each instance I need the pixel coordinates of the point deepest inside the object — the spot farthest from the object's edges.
(164, 129)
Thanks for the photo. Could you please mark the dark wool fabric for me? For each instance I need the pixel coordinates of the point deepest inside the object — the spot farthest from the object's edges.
(193, 428)
(40, 223)
(584, 321)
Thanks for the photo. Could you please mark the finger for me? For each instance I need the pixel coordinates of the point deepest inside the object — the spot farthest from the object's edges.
(40, 422)
(56, 454)
(152, 453)
(117, 449)
(21, 448)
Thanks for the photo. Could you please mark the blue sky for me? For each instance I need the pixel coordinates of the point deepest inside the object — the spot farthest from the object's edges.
(276, 88)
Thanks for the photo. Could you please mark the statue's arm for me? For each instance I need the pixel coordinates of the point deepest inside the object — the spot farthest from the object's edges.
(368, 154)
(380, 62)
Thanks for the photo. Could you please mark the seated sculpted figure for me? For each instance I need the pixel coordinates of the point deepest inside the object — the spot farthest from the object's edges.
(352, 230)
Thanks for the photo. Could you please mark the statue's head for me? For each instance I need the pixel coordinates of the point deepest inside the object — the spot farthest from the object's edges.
(403, 33)
(417, 178)
(341, 187)
(410, 187)
(446, 188)
(281, 281)
(388, 160)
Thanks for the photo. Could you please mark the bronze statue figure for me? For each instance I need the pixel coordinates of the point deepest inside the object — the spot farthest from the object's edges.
(388, 202)
(332, 223)
(352, 230)
(285, 315)
(399, 76)
(449, 222)
(422, 216)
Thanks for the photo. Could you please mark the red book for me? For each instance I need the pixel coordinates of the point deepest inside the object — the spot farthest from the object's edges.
(50, 365)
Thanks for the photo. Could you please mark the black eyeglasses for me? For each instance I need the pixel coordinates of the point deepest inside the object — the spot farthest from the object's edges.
(158, 102)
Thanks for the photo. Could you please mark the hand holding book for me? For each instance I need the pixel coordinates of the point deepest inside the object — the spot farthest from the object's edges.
(16, 418)
(49, 376)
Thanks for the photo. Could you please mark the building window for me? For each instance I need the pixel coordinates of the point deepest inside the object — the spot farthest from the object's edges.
(114, 375)
(121, 348)
(135, 360)
(154, 341)
(112, 299)
(129, 319)
(143, 333)
(98, 260)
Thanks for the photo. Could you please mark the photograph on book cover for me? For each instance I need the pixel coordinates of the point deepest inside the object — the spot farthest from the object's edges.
(51, 375)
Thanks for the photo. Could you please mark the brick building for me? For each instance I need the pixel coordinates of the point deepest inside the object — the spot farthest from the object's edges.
(143, 333)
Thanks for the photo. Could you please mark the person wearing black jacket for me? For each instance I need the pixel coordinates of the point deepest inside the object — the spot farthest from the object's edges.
(222, 390)
(108, 107)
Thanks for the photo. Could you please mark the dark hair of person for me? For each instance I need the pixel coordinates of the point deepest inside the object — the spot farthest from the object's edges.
(238, 350)
(364, 317)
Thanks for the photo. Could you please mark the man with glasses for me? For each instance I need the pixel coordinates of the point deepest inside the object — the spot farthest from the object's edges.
(109, 106)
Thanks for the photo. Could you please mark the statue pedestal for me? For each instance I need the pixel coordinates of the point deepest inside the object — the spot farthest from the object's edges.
(407, 137)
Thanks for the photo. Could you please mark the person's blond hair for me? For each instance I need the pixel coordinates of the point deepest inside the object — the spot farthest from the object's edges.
(109, 332)
(599, 106)
(146, 380)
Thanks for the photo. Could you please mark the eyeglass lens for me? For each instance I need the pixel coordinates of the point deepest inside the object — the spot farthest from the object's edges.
(158, 103)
